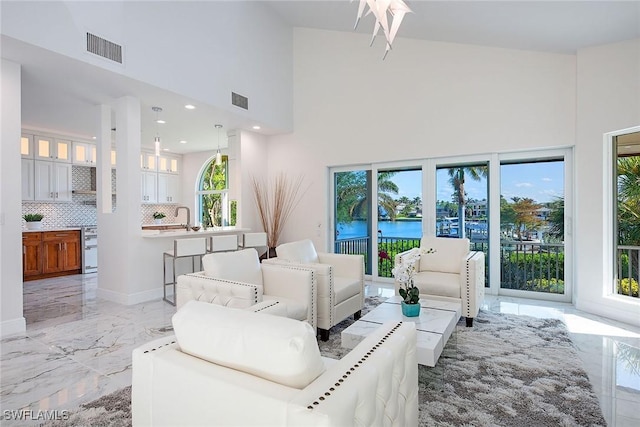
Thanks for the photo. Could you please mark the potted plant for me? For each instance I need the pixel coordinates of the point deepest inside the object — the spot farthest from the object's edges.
(403, 272)
(34, 221)
(157, 217)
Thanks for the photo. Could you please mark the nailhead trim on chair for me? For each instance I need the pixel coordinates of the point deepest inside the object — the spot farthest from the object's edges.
(468, 313)
(313, 286)
(353, 368)
(268, 306)
(157, 348)
(255, 288)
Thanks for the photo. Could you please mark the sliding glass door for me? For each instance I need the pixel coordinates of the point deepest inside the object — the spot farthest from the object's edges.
(534, 239)
(353, 228)
(399, 214)
(514, 207)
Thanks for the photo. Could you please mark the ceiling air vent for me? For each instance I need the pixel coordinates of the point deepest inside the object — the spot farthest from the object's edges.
(239, 101)
(105, 48)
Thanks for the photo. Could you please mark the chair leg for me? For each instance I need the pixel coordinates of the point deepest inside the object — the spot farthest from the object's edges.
(324, 334)
(469, 322)
(357, 315)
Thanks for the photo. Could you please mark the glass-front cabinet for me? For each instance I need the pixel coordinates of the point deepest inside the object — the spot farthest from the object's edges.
(48, 148)
(26, 146)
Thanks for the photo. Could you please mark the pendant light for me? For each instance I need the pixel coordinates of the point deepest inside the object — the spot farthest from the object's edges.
(156, 140)
(218, 161)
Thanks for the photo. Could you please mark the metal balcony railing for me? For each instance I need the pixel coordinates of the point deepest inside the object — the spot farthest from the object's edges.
(529, 266)
(628, 271)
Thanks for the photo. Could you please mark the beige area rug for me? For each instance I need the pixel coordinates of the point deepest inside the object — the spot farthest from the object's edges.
(505, 371)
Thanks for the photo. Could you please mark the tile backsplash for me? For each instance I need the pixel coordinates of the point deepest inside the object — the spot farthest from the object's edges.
(82, 210)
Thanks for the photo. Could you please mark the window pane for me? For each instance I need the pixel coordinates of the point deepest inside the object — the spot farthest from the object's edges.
(532, 226)
(627, 202)
(399, 215)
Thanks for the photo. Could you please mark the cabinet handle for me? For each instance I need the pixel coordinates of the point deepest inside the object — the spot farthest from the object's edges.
(56, 194)
(24, 250)
(65, 246)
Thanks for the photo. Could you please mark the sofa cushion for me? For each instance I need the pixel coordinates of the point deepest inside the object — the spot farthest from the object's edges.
(301, 251)
(438, 283)
(275, 348)
(448, 256)
(239, 266)
(345, 288)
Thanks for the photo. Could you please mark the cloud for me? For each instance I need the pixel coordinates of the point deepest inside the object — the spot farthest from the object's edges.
(524, 184)
(547, 179)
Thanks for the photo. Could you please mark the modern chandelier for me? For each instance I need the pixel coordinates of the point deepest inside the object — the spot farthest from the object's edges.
(218, 160)
(381, 9)
(156, 140)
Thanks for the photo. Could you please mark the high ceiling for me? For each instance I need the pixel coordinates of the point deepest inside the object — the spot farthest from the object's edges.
(58, 92)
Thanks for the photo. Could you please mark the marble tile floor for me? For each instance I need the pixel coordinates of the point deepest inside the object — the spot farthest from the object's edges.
(77, 347)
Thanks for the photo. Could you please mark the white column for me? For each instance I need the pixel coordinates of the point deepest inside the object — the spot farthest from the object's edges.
(119, 231)
(11, 313)
(103, 175)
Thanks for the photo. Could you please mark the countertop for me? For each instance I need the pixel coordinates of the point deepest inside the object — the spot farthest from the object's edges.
(24, 230)
(160, 234)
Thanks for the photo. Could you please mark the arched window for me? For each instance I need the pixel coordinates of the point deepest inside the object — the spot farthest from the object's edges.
(214, 207)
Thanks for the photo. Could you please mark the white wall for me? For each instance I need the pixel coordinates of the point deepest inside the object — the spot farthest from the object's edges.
(203, 50)
(608, 79)
(11, 315)
(250, 150)
(427, 99)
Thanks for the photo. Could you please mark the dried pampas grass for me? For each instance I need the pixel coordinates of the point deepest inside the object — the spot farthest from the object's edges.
(276, 202)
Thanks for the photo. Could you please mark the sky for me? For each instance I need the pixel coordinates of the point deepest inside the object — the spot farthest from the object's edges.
(542, 182)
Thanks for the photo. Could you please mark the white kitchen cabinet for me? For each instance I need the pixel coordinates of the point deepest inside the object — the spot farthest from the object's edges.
(149, 181)
(26, 146)
(28, 186)
(148, 161)
(52, 181)
(47, 148)
(168, 163)
(168, 188)
(84, 154)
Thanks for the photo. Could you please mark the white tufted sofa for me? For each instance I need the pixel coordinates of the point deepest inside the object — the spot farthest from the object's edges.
(229, 367)
(451, 273)
(238, 280)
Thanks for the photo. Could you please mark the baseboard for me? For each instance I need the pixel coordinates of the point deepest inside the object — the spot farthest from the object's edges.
(130, 299)
(13, 327)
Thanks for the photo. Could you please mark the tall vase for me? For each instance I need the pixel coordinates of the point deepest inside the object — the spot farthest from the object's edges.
(271, 253)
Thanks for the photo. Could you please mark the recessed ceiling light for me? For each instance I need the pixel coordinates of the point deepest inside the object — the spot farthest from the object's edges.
(160, 121)
(165, 149)
(256, 127)
(93, 137)
(190, 107)
(183, 141)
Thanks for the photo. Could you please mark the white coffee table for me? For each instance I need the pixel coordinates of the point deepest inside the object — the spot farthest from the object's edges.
(436, 323)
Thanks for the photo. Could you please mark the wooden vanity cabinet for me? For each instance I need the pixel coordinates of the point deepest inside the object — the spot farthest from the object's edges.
(31, 254)
(51, 253)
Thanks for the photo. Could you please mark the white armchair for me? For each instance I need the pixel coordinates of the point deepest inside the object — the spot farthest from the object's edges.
(340, 279)
(238, 280)
(453, 273)
(228, 367)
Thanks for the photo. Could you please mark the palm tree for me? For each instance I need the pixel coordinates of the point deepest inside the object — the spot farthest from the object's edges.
(456, 179)
(629, 200)
(352, 195)
(556, 219)
(386, 187)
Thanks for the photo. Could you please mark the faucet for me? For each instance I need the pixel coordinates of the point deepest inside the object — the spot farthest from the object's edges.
(188, 215)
